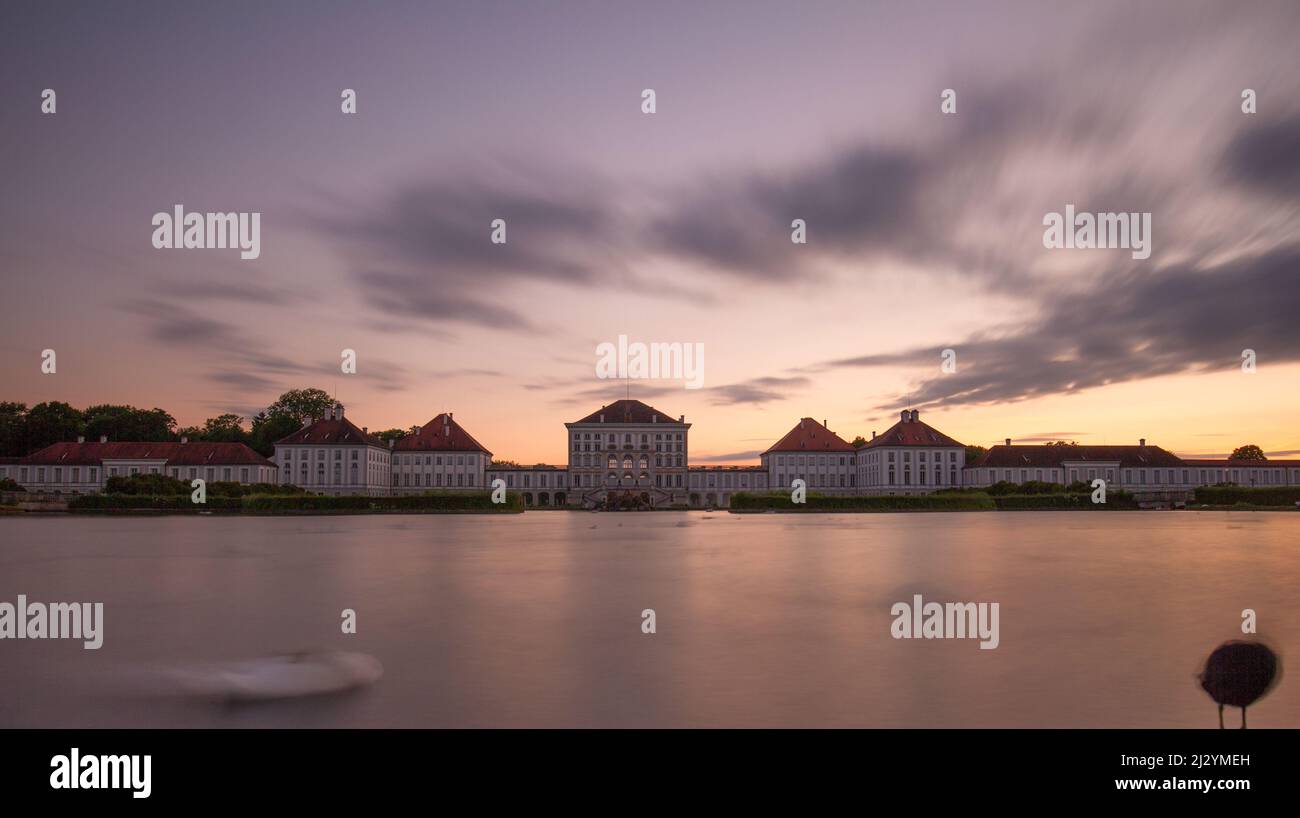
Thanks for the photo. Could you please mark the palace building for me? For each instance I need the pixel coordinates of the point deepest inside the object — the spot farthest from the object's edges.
(440, 455)
(630, 454)
(84, 468)
(330, 455)
(1139, 468)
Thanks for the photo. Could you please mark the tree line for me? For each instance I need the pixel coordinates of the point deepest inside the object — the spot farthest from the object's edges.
(24, 430)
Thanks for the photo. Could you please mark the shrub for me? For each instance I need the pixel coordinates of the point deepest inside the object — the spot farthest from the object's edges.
(750, 501)
(1081, 501)
(152, 484)
(1232, 495)
(146, 502)
(446, 501)
(224, 488)
(10, 484)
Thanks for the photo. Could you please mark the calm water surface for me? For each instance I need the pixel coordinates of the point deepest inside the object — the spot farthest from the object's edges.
(534, 619)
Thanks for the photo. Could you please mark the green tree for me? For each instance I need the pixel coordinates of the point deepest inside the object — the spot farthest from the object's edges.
(392, 434)
(858, 442)
(974, 453)
(53, 422)
(13, 429)
(1248, 452)
(227, 428)
(267, 429)
(286, 416)
(301, 404)
(120, 422)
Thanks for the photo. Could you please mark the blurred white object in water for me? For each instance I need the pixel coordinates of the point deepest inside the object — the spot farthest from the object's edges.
(285, 676)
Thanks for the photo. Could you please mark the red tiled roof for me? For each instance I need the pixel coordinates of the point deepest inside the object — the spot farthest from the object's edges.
(911, 433)
(1050, 455)
(727, 468)
(628, 411)
(187, 454)
(203, 453)
(92, 454)
(1243, 464)
(442, 434)
(331, 431)
(810, 436)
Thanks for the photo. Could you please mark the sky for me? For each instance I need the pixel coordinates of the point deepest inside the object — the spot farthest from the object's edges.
(924, 229)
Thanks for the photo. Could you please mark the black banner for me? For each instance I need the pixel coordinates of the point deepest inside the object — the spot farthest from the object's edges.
(140, 769)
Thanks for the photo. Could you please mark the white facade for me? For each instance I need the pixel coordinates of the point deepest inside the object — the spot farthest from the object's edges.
(418, 472)
(330, 455)
(628, 447)
(541, 486)
(85, 468)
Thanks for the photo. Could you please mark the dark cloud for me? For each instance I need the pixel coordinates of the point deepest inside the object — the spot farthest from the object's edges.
(1267, 156)
(245, 363)
(850, 201)
(443, 228)
(237, 291)
(418, 297)
(174, 323)
(1139, 325)
(756, 391)
(726, 458)
(245, 381)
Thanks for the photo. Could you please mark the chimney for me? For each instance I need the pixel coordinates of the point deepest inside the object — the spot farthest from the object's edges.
(103, 438)
(801, 423)
(365, 430)
(681, 419)
(916, 415)
(873, 434)
(1008, 441)
(906, 415)
(81, 438)
(391, 442)
(338, 411)
(1142, 441)
(450, 415)
(826, 423)
(184, 439)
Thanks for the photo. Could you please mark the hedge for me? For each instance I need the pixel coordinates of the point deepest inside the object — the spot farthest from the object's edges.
(748, 501)
(267, 503)
(1232, 495)
(166, 502)
(950, 501)
(1083, 502)
(466, 501)
(160, 485)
